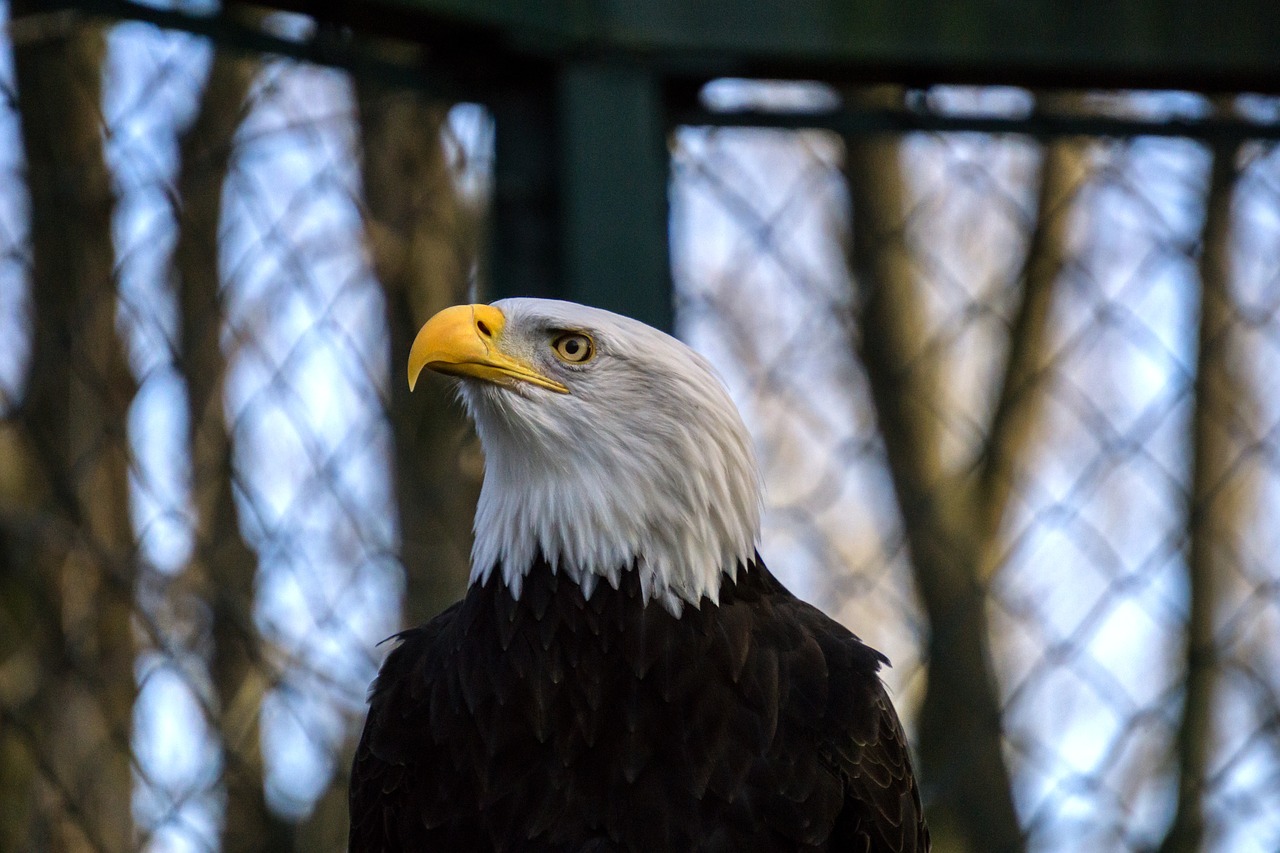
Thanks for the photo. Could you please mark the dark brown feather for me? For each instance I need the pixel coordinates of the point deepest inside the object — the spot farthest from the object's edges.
(553, 723)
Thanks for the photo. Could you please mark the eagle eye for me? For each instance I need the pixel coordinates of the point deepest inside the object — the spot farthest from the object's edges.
(573, 347)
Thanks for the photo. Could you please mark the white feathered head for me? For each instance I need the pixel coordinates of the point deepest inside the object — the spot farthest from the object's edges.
(609, 446)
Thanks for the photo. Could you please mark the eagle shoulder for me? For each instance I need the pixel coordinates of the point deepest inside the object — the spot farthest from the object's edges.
(860, 738)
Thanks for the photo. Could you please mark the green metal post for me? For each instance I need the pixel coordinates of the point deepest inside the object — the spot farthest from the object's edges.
(524, 251)
(613, 175)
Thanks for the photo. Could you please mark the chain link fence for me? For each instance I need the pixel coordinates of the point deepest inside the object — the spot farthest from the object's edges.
(1032, 374)
(1092, 325)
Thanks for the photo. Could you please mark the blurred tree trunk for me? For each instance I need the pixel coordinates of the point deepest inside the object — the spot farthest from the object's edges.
(423, 242)
(79, 557)
(28, 647)
(223, 567)
(962, 766)
(952, 519)
(1065, 166)
(1216, 506)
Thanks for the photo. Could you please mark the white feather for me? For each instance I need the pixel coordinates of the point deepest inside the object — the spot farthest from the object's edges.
(645, 463)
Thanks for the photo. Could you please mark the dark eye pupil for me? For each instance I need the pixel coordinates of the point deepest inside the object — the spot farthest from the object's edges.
(571, 346)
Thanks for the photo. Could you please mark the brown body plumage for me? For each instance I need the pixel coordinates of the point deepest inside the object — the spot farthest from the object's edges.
(557, 723)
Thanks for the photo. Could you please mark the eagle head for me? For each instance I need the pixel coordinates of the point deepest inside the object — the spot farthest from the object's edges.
(609, 446)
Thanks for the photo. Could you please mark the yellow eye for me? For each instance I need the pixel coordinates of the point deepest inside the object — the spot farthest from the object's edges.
(573, 347)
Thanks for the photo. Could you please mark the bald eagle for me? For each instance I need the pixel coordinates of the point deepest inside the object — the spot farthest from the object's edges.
(623, 673)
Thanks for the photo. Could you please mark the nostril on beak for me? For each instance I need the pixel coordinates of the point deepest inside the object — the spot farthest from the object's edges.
(484, 330)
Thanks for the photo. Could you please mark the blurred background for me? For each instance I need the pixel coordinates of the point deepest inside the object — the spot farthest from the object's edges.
(998, 295)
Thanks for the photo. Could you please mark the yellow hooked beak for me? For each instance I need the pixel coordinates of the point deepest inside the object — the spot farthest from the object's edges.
(466, 340)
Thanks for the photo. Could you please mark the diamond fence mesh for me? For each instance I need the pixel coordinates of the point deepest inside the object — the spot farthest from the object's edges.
(1014, 401)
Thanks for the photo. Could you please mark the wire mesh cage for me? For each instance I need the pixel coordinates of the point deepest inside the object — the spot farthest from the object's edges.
(1079, 320)
(1011, 392)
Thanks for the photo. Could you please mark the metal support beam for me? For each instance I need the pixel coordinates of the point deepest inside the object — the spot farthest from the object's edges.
(1222, 46)
(524, 252)
(580, 192)
(613, 182)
